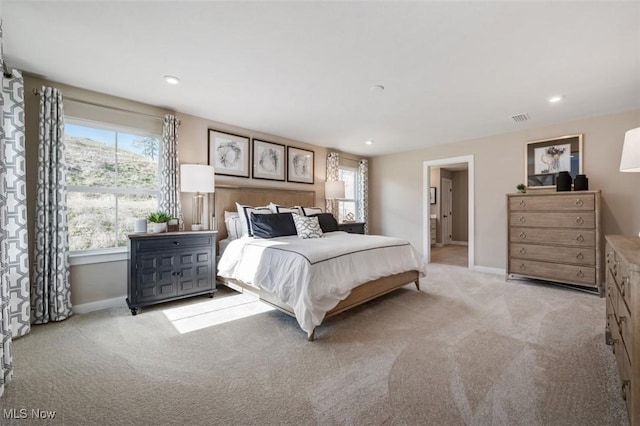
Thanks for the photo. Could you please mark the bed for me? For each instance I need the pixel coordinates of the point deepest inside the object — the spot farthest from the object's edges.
(336, 263)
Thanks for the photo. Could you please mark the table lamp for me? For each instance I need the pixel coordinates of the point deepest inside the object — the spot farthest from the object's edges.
(199, 179)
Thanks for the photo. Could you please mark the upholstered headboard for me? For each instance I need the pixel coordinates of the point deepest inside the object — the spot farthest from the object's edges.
(227, 196)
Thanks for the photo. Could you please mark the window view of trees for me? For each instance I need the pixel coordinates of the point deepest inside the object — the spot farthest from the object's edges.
(112, 179)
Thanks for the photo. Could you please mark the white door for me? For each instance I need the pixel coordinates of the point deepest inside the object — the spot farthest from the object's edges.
(446, 210)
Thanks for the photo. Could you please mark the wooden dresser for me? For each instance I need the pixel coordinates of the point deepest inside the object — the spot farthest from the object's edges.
(623, 316)
(556, 236)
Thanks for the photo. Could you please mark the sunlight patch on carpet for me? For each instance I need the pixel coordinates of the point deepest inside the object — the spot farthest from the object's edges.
(214, 312)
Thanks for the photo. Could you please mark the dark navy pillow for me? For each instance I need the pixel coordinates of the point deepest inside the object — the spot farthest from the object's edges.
(273, 225)
(328, 223)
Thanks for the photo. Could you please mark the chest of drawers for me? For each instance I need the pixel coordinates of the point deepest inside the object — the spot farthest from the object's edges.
(623, 316)
(555, 236)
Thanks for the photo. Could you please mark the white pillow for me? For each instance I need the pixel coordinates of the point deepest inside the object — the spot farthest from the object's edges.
(307, 227)
(294, 210)
(228, 214)
(245, 217)
(234, 226)
(308, 211)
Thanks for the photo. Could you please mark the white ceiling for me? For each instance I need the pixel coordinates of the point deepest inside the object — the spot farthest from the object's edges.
(303, 70)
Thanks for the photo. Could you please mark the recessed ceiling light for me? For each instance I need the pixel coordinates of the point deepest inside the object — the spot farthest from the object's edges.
(378, 88)
(369, 142)
(171, 79)
(555, 99)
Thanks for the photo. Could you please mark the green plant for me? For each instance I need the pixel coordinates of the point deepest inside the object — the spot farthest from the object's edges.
(158, 217)
(521, 187)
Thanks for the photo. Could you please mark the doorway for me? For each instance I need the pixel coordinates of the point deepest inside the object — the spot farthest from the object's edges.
(450, 213)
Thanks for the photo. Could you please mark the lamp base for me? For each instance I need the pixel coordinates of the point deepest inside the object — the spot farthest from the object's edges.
(197, 227)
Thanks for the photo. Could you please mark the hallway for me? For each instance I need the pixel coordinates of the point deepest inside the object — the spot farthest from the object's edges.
(452, 254)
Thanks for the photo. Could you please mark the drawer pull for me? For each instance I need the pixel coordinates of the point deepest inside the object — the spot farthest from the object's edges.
(579, 203)
(523, 203)
(176, 243)
(580, 256)
(522, 250)
(623, 388)
(523, 235)
(621, 320)
(522, 219)
(580, 274)
(522, 267)
(579, 220)
(580, 238)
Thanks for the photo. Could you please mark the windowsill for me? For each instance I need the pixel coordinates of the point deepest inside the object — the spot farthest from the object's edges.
(86, 257)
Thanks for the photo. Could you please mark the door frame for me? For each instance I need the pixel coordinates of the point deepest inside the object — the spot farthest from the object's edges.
(426, 183)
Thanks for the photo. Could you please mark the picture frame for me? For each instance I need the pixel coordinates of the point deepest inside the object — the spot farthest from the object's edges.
(269, 160)
(545, 158)
(300, 165)
(432, 195)
(228, 153)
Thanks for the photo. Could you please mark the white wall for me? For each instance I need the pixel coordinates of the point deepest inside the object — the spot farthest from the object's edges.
(396, 182)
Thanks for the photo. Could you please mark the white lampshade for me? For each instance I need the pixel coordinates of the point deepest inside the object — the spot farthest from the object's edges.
(197, 178)
(334, 189)
(630, 161)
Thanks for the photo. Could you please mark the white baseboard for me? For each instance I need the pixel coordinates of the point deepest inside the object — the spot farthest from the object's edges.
(460, 243)
(489, 270)
(116, 302)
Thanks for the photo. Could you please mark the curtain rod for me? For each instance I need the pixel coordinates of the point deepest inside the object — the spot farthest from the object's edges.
(37, 93)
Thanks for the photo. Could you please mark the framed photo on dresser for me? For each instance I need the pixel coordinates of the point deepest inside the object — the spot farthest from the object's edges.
(545, 158)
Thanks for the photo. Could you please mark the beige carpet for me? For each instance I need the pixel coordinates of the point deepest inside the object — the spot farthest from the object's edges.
(469, 350)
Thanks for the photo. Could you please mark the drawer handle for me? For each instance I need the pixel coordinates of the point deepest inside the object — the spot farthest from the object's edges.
(580, 274)
(579, 203)
(580, 256)
(580, 238)
(522, 250)
(523, 235)
(579, 220)
(523, 203)
(176, 243)
(621, 320)
(623, 388)
(522, 219)
(522, 267)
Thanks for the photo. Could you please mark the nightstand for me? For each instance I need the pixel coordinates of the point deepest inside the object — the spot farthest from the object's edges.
(352, 227)
(170, 265)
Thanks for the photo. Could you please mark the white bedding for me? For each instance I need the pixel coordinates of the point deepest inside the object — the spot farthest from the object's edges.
(313, 275)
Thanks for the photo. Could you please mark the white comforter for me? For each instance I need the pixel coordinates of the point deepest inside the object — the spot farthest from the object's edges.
(314, 275)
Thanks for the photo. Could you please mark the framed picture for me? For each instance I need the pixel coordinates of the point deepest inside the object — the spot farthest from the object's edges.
(545, 158)
(228, 154)
(300, 167)
(268, 160)
(432, 194)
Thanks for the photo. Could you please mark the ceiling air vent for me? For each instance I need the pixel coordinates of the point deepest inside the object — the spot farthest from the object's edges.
(520, 118)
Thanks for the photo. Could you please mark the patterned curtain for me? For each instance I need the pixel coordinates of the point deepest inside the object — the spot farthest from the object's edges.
(6, 358)
(15, 221)
(50, 292)
(363, 183)
(333, 161)
(169, 200)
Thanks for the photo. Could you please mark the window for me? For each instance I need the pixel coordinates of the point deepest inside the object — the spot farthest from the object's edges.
(112, 179)
(350, 204)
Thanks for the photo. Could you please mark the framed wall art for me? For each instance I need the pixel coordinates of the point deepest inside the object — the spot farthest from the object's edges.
(269, 160)
(544, 159)
(300, 167)
(432, 195)
(228, 153)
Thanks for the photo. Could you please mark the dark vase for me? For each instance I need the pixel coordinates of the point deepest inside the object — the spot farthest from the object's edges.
(563, 181)
(581, 183)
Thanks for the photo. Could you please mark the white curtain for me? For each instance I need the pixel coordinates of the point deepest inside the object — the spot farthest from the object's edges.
(333, 174)
(363, 183)
(50, 292)
(6, 359)
(15, 221)
(169, 201)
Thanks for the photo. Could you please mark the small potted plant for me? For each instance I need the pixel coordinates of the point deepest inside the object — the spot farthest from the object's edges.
(158, 221)
(521, 188)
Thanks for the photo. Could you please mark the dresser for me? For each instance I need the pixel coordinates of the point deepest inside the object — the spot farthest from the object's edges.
(169, 266)
(556, 236)
(352, 227)
(622, 331)
(433, 230)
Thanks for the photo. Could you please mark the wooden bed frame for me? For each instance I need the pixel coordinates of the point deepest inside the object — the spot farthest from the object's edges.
(225, 199)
